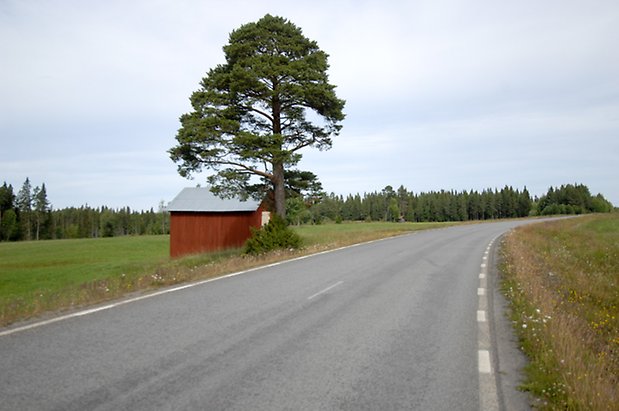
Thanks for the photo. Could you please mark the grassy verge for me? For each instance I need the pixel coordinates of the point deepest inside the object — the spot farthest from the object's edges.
(45, 276)
(562, 279)
(339, 235)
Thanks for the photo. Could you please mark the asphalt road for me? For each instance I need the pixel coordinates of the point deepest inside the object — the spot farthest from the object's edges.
(389, 325)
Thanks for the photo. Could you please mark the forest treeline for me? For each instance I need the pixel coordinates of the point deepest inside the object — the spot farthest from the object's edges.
(440, 206)
(28, 214)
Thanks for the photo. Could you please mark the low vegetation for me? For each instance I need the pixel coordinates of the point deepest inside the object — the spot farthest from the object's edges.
(562, 280)
(276, 235)
(42, 276)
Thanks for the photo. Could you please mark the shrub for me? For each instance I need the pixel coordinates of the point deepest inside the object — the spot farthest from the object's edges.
(272, 236)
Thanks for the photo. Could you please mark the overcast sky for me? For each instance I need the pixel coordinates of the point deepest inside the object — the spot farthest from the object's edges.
(440, 94)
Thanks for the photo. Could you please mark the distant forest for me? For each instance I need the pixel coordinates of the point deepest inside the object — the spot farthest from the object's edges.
(28, 215)
(440, 206)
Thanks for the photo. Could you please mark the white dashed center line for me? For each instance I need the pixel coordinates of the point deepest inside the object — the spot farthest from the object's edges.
(325, 290)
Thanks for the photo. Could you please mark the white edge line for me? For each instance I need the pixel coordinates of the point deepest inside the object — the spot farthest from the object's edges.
(484, 362)
(181, 287)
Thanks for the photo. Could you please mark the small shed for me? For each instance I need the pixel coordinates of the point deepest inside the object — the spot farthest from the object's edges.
(200, 221)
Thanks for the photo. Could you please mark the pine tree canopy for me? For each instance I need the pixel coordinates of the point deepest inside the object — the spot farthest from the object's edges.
(254, 114)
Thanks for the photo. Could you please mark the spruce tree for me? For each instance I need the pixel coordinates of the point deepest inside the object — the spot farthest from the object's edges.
(41, 207)
(24, 205)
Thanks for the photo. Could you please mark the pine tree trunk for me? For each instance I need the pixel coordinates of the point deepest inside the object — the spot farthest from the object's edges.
(279, 190)
(278, 166)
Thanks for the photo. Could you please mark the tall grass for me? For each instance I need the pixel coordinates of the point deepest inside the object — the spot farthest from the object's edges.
(563, 282)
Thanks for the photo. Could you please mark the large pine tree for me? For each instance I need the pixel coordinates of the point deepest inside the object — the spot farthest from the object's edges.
(254, 114)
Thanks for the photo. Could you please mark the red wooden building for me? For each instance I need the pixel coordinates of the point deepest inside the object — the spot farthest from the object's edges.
(201, 221)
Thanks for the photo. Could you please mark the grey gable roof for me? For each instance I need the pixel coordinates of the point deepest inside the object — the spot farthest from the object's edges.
(200, 199)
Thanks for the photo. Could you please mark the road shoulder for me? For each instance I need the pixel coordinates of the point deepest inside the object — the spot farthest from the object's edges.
(509, 361)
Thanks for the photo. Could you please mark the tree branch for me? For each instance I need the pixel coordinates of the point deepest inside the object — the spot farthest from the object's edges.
(304, 144)
(245, 167)
(262, 113)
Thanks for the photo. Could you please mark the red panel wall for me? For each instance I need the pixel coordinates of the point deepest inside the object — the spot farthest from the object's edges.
(192, 233)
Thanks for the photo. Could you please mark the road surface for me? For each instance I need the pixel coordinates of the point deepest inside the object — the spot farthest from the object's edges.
(388, 325)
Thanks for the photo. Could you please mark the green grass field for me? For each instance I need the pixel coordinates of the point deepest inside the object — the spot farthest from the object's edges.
(42, 276)
(39, 276)
(50, 266)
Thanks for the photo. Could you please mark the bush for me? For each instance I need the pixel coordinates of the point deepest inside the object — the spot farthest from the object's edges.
(274, 235)
(553, 209)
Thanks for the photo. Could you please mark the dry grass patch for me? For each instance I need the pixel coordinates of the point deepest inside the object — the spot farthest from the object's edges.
(562, 279)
